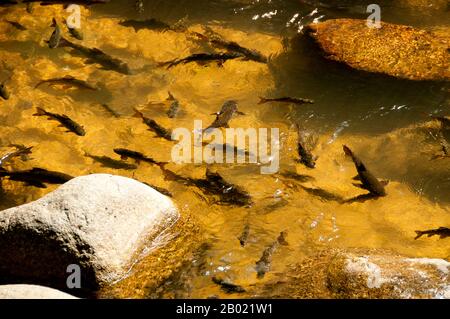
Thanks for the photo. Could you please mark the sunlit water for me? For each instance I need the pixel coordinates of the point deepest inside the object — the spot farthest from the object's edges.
(383, 119)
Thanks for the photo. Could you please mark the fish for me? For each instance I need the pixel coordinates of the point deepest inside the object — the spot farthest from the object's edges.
(293, 100)
(55, 38)
(306, 157)
(243, 238)
(174, 106)
(64, 120)
(30, 7)
(445, 122)
(150, 24)
(17, 25)
(445, 149)
(442, 232)
(139, 6)
(155, 127)
(68, 2)
(4, 92)
(7, 3)
(263, 264)
(229, 193)
(68, 80)
(75, 32)
(229, 108)
(218, 41)
(110, 110)
(93, 55)
(137, 156)
(368, 180)
(21, 151)
(110, 162)
(227, 286)
(213, 184)
(203, 57)
(37, 177)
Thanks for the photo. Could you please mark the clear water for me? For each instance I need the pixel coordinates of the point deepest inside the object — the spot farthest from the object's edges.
(382, 118)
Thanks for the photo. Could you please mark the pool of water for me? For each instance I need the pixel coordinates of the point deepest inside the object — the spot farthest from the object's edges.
(384, 119)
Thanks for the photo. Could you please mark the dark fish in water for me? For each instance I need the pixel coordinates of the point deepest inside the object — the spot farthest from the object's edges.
(368, 181)
(445, 122)
(214, 184)
(16, 25)
(74, 32)
(67, 2)
(174, 106)
(243, 238)
(93, 55)
(228, 192)
(55, 38)
(68, 80)
(151, 24)
(203, 57)
(64, 120)
(227, 286)
(155, 127)
(4, 92)
(217, 41)
(37, 177)
(445, 149)
(21, 151)
(137, 156)
(110, 110)
(306, 157)
(292, 100)
(7, 3)
(30, 7)
(139, 6)
(229, 108)
(110, 162)
(263, 264)
(442, 232)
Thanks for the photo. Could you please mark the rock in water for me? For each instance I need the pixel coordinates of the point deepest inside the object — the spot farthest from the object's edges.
(31, 292)
(395, 50)
(98, 222)
(361, 273)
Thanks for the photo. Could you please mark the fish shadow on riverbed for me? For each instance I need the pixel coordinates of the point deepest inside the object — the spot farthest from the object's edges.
(360, 198)
(323, 194)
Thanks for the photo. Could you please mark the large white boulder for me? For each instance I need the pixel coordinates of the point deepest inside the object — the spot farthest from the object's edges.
(31, 292)
(98, 222)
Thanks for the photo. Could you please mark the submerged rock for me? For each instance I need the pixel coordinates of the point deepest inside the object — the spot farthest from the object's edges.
(353, 275)
(98, 222)
(31, 292)
(396, 50)
(362, 273)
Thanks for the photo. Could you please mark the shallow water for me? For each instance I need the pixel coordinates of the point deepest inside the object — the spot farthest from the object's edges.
(383, 119)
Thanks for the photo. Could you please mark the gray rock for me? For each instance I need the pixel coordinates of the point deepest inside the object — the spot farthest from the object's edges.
(31, 292)
(99, 222)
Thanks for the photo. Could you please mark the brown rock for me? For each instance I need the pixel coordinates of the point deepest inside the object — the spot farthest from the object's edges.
(395, 50)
